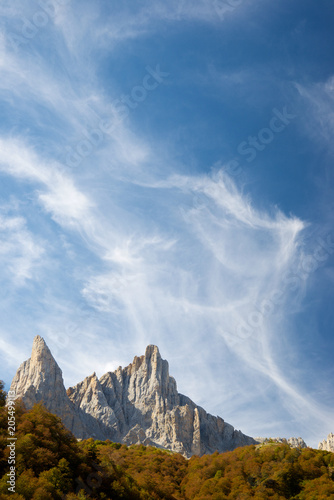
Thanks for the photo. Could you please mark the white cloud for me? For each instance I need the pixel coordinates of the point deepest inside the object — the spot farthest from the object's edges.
(62, 199)
(319, 101)
(20, 254)
(229, 260)
(11, 351)
(116, 24)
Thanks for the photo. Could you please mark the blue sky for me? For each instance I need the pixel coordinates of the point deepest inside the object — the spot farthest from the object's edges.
(167, 177)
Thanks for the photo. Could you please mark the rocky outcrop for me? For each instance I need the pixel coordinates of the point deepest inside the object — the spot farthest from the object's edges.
(297, 442)
(39, 379)
(293, 442)
(137, 404)
(327, 444)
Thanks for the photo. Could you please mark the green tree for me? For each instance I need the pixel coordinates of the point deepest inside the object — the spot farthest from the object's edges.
(26, 484)
(59, 478)
(43, 441)
(3, 394)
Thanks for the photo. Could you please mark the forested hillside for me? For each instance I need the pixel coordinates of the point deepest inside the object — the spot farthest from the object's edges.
(51, 464)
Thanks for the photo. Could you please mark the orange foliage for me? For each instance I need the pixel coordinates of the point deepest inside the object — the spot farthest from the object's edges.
(51, 464)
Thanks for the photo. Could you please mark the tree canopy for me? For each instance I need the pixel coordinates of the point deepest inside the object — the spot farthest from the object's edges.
(52, 464)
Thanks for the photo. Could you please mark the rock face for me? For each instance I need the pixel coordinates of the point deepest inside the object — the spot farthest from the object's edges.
(327, 444)
(137, 404)
(40, 379)
(293, 442)
(297, 442)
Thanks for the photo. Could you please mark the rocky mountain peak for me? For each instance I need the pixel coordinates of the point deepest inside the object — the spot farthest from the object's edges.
(38, 371)
(293, 441)
(39, 379)
(135, 404)
(327, 444)
(41, 355)
(39, 343)
(152, 351)
(156, 369)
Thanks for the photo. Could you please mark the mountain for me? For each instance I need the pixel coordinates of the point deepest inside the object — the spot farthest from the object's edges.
(136, 404)
(327, 444)
(40, 379)
(293, 441)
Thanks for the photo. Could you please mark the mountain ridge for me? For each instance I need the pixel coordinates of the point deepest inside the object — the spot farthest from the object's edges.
(136, 404)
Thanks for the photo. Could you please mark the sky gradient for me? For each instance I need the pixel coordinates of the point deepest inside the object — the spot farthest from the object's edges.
(166, 177)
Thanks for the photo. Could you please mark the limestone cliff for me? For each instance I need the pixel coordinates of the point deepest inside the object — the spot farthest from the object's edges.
(137, 404)
(327, 444)
(297, 442)
(40, 379)
(293, 441)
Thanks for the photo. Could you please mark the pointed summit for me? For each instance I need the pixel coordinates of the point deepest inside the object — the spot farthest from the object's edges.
(39, 344)
(152, 350)
(36, 373)
(39, 379)
(41, 356)
(38, 340)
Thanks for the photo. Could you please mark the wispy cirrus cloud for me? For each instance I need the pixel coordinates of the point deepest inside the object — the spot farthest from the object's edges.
(61, 199)
(20, 254)
(319, 99)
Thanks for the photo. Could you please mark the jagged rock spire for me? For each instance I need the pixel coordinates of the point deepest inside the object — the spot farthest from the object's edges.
(327, 444)
(39, 375)
(39, 379)
(137, 404)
